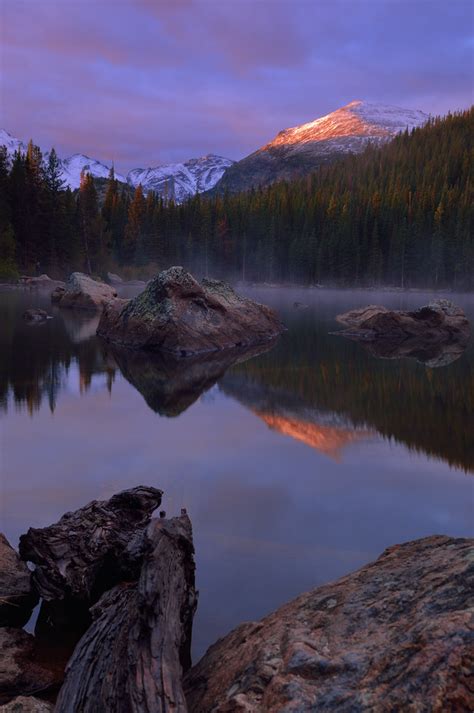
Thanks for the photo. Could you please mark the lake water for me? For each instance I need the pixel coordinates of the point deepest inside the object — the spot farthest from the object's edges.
(296, 466)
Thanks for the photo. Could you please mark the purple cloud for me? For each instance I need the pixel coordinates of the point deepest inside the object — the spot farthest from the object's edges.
(147, 81)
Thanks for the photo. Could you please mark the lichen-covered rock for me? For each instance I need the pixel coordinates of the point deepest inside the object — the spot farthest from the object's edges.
(17, 597)
(397, 635)
(178, 315)
(27, 704)
(82, 292)
(22, 672)
(436, 334)
(91, 549)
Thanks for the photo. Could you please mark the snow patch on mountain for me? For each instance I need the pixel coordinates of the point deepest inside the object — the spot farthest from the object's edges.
(73, 166)
(349, 128)
(174, 180)
(181, 180)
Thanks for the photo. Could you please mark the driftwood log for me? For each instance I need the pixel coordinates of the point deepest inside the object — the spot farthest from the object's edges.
(133, 656)
(90, 550)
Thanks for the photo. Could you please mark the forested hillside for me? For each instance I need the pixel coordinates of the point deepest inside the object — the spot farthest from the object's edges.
(401, 215)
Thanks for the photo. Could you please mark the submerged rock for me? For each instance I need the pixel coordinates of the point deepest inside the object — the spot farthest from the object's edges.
(176, 314)
(132, 658)
(436, 334)
(17, 597)
(35, 316)
(22, 672)
(394, 636)
(91, 549)
(82, 292)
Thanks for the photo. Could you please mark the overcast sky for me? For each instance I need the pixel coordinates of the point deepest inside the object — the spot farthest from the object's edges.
(143, 82)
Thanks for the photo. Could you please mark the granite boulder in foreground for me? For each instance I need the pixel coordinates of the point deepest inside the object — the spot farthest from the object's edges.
(435, 334)
(397, 635)
(178, 315)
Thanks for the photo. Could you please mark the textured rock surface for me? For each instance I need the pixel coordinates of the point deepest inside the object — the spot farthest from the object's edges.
(132, 658)
(176, 314)
(82, 292)
(21, 671)
(436, 334)
(397, 635)
(90, 550)
(17, 598)
(27, 704)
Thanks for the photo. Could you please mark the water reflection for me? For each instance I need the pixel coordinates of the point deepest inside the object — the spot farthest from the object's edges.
(317, 388)
(169, 385)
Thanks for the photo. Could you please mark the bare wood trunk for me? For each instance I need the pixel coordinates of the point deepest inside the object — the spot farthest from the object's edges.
(89, 551)
(132, 658)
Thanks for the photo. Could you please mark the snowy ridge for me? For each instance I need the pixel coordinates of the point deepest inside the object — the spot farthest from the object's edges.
(348, 128)
(181, 180)
(175, 180)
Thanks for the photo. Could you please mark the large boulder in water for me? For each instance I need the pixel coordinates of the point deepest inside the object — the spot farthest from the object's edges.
(82, 292)
(394, 636)
(17, 597)
(178, 315)
(436, 334)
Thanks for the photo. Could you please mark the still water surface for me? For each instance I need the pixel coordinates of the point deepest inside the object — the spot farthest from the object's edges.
(296, 466)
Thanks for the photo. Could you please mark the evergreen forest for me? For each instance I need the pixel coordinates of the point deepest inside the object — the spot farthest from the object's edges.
(400, 214)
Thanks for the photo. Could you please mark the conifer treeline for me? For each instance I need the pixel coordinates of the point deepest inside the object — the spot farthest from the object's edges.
(400, 214)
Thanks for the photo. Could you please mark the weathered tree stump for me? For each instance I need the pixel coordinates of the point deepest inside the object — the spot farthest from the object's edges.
(132, 658)
(89, 551)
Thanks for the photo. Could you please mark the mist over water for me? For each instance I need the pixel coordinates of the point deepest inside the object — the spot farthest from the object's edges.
(296, 465)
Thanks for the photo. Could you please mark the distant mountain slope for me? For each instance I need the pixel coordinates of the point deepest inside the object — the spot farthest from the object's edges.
(175, 180)
(181, 180)
(296, 151)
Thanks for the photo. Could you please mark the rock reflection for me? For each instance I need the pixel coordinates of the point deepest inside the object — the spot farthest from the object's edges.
(170, 385)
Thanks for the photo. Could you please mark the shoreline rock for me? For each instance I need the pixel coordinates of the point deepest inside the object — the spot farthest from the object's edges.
(178, 315)
(394, 635)
(17, 597)
(84, 293)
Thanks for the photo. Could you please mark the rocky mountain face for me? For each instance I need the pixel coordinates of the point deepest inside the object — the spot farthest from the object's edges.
(299, 150)
(293, 152)
(181, 180)
(174, 180)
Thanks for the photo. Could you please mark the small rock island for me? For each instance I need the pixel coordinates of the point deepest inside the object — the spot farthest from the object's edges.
(178, 315)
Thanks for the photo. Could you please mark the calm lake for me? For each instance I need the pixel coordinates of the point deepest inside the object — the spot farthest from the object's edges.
(296, 466)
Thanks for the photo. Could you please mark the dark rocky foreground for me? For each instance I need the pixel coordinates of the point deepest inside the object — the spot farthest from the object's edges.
(114, 630)
(435, 335)
(397, 635)
(176, 314)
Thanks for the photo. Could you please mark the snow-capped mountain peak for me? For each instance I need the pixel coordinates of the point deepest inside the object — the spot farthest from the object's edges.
(181, 180)
(174, 180)
(352, 126)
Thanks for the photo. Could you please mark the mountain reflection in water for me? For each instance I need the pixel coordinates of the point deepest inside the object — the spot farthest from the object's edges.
(319, 389)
